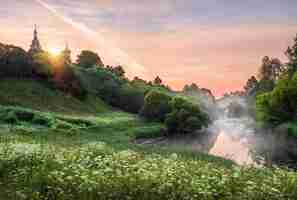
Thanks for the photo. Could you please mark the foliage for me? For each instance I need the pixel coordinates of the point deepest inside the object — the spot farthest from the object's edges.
(118, 70)
(191, 88)
(112, 88)
(41, 95)
(185, 117)
(158, 81)
(18, 116)
(279, 105)
(130, 99)
(271, 69)
(156, 106)
(43, 65)
(14, 62)
(96, 171)
(265, 86)
(292, 55)
(250, 85)
(292, 129)
(66, 80)
(88, 59)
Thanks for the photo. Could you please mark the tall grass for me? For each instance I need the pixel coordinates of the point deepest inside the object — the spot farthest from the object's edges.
(69, 157)
(96, 171)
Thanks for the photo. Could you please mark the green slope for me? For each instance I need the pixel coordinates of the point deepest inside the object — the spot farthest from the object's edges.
(36, 95)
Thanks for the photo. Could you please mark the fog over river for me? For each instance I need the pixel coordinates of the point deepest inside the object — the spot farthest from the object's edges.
(234, 137)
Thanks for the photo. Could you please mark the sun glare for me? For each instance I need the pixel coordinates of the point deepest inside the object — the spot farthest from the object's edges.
(55, 51)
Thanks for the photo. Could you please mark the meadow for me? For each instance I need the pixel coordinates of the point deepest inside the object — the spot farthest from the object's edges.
(94, 157)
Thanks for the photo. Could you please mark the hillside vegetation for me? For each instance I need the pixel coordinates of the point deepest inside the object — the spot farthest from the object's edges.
(41, 96)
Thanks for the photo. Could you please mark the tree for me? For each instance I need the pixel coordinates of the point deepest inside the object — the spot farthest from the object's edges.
(292, 56)
(280, 105)
(265, 72)
(119, 71)
(251, 84)
(158, 81)
(14, 62)
(191, 88)
(277, 68)
(271, 69)
(185, 117)
(43, 65)
(156, 106)
(89, 59)
(130, 99)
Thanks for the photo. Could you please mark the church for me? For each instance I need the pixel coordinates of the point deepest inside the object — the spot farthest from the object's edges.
(36, 47)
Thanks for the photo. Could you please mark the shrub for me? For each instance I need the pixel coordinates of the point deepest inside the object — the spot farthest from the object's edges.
(14, 62)
(11, 118)
(24, 115)
(185, 117)
(42, 120)
(63, 125)
(156, 106)
(66, 80)
(280, 105)
(100, 82)
(43, 65)
(130, 99)
(89, 59)
(292, 129)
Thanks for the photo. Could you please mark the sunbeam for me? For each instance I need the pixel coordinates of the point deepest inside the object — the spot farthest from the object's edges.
(117, 54)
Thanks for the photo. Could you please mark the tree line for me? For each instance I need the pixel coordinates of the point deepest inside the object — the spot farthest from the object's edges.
(152, 100)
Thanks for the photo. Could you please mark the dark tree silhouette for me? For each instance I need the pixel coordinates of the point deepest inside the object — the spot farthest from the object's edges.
(158, 81)
(89, 59)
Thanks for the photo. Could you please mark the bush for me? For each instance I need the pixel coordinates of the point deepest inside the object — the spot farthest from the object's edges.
(156, 106)
(66, 80)
(24, 115)
(14, 62)
(100, 82)
(280, 105)
(292, 129)
(130, 99)
(42, 120)
(88, 59)
(185, 117)
(43, 65)
(11, 118)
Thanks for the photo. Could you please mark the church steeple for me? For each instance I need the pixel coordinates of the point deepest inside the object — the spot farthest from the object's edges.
(35, 45)
(67, 54)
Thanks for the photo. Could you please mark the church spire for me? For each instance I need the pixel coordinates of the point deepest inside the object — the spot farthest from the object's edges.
(35, 32)
(67, 54)
(35, 45)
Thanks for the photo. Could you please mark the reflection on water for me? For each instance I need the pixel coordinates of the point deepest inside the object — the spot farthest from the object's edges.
(227, 137)
(234, 139)
(232, 148)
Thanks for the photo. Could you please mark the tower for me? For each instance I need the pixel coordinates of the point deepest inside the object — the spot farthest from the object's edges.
(67, 54)
(35, 45)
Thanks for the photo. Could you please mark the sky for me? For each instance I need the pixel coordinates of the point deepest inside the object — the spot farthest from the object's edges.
(217, 44)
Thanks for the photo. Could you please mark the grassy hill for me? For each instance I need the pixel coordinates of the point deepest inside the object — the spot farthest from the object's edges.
(40, 96)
